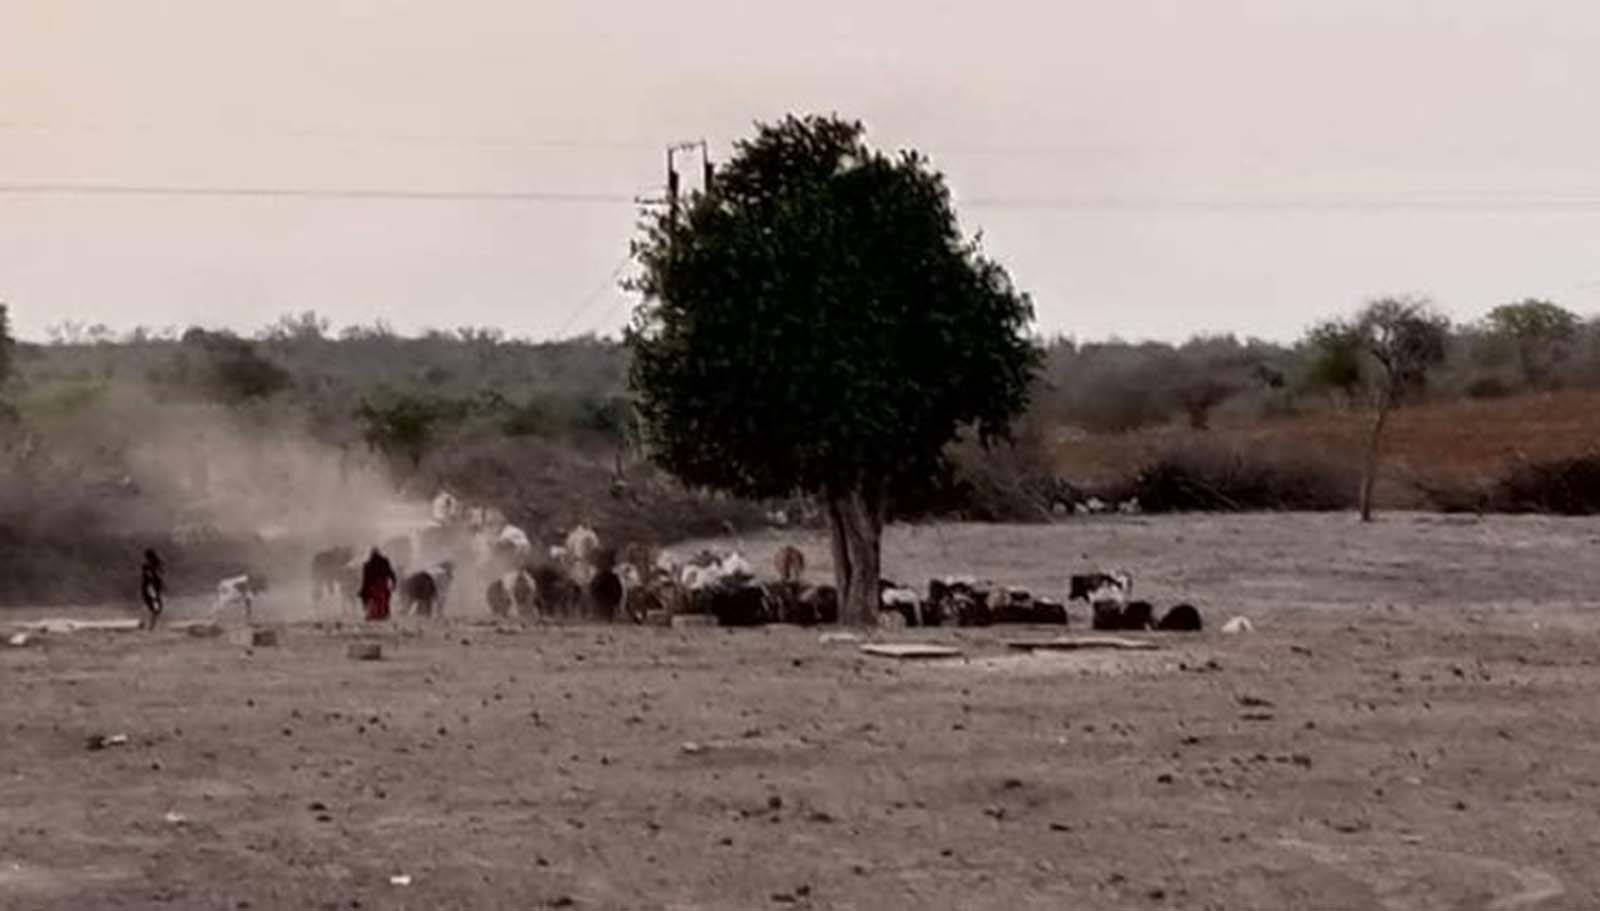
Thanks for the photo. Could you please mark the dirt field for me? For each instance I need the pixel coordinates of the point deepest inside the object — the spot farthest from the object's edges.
(1412, 725)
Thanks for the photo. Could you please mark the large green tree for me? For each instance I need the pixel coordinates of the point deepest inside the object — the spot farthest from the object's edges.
(815, 321)
(1538, 331)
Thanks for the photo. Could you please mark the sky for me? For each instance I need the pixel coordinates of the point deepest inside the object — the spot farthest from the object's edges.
(1143, 168)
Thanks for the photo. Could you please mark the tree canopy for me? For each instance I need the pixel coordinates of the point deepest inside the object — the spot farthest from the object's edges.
(1538, 331)
(815, 321)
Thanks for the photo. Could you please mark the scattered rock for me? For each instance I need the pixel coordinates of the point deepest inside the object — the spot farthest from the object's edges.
(692, 748)
(254, 638)
(101, 741)
(402, 879)
(910, 650)
(830, 638)
(19, 640)
(1238, 625)
(365, 651)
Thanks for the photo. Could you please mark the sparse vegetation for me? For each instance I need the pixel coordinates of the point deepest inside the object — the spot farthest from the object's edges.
(1214, 478)
(549, 430)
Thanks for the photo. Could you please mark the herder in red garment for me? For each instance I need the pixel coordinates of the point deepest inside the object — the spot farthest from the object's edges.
(377, 584)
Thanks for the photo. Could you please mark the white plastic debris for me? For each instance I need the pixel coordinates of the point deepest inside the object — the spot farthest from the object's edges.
(1238, 625)
(175, 818)
(401, 879)
(829, 638)
(19, 640)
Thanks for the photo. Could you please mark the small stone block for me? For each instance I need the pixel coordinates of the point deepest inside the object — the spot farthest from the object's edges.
(365, 651)
(254, 638)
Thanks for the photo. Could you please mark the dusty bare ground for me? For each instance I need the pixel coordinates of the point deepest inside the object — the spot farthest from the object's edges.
(1411, 725)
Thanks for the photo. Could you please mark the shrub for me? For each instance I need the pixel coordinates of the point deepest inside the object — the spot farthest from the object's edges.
(1488, 387)
(1569, 487)
(1212, 479)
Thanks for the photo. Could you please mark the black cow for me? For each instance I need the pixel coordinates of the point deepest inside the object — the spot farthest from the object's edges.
(786, 602)
(605, 595)
(734, 602)
(1117, 616)
(421, 592)
(499, 598)
(824, 601)
(1183, 618)
(425, 591)
(555, 592)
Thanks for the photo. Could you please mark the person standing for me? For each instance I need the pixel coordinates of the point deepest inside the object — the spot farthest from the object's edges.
(152, 587)
(377, 585)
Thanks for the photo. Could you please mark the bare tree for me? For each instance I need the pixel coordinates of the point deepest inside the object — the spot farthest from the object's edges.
(1398, 340)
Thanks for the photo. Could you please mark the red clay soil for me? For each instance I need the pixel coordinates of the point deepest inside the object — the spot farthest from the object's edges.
(1457, 442)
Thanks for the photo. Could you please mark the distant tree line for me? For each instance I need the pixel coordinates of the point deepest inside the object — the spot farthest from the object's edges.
(1525, 346)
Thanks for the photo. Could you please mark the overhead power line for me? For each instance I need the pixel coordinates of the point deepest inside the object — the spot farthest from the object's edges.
(1367, 203)
(298, 134)
(357, 193)
(1489, 202)
(586, 304)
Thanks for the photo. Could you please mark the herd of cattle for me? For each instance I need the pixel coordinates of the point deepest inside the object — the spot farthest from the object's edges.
(475, 555)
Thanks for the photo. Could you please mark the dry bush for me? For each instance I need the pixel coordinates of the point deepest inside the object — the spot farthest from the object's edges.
(1218, 479)
(1569, 487)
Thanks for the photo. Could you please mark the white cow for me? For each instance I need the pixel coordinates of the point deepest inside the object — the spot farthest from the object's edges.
(582, 542)
(446, 509)
(515, 540)
(239, 591)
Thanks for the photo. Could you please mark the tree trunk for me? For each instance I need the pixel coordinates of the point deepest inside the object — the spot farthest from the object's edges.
(857, 521)
(1369, 471)
(837, 537)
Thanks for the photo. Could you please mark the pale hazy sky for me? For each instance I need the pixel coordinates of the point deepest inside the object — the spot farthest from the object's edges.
(1144, 168)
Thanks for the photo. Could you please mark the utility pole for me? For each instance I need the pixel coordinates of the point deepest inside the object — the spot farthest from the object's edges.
(673, 182)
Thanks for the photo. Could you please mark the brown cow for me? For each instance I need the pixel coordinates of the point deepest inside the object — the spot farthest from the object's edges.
(790, 563)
